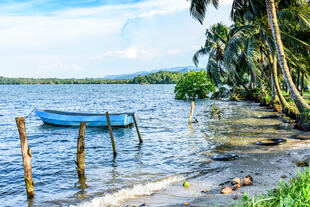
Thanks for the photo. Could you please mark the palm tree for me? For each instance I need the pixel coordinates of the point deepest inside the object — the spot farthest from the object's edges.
(216, 39)
(273, 22)
(198, 10)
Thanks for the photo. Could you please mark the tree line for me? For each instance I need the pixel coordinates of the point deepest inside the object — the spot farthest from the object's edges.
(162, 77)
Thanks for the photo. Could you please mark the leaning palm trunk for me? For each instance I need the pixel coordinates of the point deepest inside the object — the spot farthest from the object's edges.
(274, 95)
(283, 102)
(299, 101)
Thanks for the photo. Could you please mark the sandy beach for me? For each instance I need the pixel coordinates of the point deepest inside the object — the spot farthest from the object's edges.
(267, 165)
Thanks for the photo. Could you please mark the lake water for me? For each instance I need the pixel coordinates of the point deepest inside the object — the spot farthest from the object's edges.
(171, 151)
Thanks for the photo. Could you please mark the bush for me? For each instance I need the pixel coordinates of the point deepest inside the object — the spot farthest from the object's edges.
(194, 85)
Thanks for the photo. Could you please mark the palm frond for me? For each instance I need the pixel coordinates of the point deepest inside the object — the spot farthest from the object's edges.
(198, 8)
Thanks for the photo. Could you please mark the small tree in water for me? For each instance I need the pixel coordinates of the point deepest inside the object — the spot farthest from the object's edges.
(194, 85)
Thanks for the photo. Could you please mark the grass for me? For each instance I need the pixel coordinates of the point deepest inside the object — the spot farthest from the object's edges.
(296, 192)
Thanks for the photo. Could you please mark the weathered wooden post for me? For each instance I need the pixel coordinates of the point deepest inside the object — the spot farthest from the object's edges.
(137, 128)
(213, 110)
(26, 153)
(111, 133)
(80, 154)
(191, 113)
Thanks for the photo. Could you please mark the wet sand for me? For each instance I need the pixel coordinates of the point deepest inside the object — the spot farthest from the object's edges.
(266, 166)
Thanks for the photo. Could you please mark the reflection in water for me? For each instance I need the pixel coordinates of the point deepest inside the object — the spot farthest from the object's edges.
(30, 202)
(81, 184)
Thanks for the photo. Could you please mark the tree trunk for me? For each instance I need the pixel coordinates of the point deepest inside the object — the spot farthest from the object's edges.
(283, 102)
(254, 78)
(298, 77)
(299, 101)
(302, 83)
(274, 96)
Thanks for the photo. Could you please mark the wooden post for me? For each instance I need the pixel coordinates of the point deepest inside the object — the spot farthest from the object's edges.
(191, 113)
(80, 154)
(137, 128)
(111, 133)
(213, 109)
(26, 153)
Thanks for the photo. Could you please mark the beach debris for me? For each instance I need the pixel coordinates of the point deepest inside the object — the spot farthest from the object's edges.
(288, 120)
(226, 190)
(225, 157)
(186, 204)
(236, 187)
(271, 142)
(235, 197)
(283, 176)
(300, 137)
(186, 184)
(204, 191)
(235, 181)
(225, 183)
(304, 162)
(216, 113)
(247, 180)
(195, 121)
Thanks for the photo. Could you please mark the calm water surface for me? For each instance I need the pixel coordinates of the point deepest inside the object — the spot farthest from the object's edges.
(171, 148)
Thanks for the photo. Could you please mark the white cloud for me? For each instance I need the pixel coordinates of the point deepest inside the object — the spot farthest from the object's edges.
(129, 53)
(86, 42)
(174, 51)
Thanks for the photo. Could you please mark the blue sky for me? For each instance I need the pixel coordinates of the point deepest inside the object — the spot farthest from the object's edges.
(95, 38)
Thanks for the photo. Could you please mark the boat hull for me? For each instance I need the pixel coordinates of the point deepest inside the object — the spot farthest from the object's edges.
(60, 118)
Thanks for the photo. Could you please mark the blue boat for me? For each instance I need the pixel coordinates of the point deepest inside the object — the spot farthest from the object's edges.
(62, 118)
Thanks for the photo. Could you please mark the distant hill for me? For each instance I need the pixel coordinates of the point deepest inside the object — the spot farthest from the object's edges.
(143, 73)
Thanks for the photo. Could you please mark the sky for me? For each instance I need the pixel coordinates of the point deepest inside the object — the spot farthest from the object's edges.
(95, 38)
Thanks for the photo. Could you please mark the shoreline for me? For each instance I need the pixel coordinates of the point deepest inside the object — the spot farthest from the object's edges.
(266, 164)
(266, 167)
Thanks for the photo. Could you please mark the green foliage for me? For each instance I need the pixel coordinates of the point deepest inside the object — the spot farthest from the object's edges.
(161, 77)
(222, 92)
(194, 85)
(242, 94)
(139, 80)
(216, 40)
(19, 81)
(294, 193)
(267, 99)
(306, 113)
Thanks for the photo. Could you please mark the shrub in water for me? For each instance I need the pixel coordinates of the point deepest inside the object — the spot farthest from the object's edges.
(194, 85)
